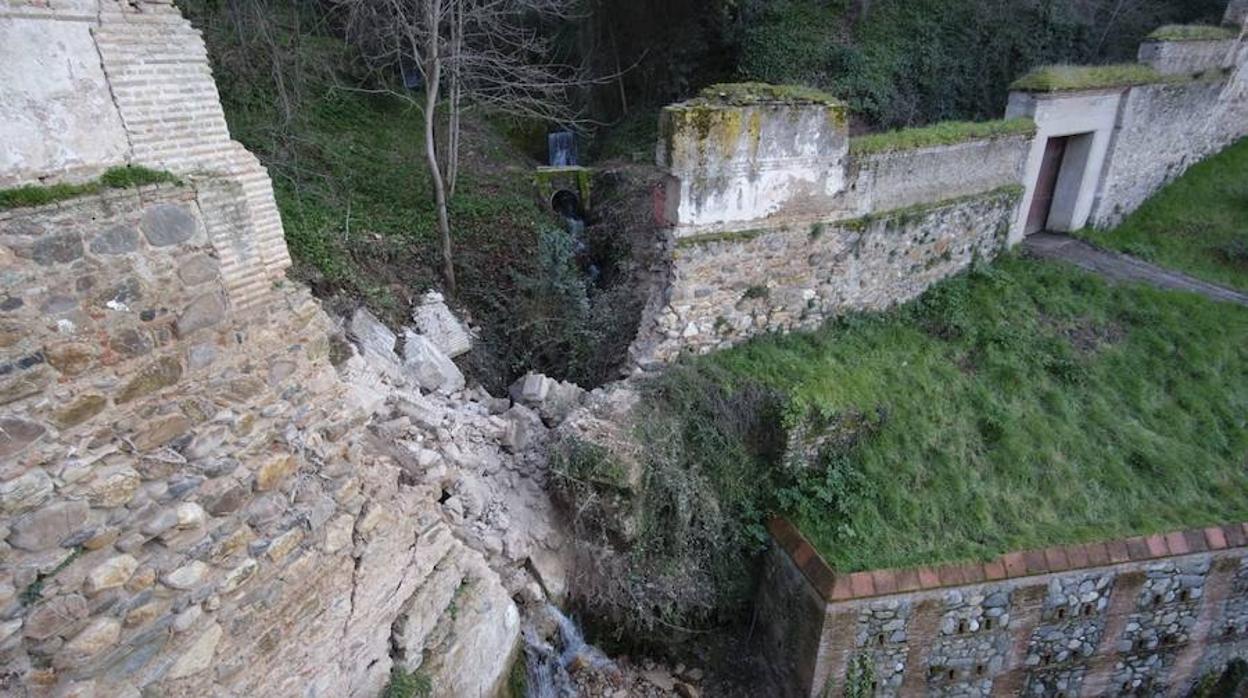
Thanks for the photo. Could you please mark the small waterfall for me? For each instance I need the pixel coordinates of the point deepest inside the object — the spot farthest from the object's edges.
(561, 147)
(550, 667)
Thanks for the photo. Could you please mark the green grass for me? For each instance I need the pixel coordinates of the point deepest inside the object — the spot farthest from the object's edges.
(944, 133)
(123, 177)
(1022, 405)
(1064, 78)
(1198, 224)
(1192, 32)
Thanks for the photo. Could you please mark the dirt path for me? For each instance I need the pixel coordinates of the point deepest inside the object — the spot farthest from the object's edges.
(1119, 267)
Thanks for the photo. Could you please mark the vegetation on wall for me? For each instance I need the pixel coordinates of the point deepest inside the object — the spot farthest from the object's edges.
(1063, 78)
(944, 133)
(124, 177)
(1192, 32)
(1196, 224)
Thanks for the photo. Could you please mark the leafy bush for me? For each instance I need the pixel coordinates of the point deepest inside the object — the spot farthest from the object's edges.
(405, 685)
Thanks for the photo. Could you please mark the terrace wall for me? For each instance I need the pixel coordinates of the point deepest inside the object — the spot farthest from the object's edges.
(1142, 616)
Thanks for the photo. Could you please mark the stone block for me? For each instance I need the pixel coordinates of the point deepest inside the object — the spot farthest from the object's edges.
(203, 312)
(79, 411)
(101, 634)
(116, 239)
(435, 321)
(199, 269)
(112, 486)
(56, 616)
(160, 374)
(57, 248)
(167, 224)
(49, 526)
(425, 364)
(198, 656)
(187, 576)
(70, 358)
(25, 492)
(160, 431)
(110, 574)
(274, 470)
(372, 335)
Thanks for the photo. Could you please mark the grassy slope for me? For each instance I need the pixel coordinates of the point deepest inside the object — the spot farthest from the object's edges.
(1026, 405)
(1198, 224)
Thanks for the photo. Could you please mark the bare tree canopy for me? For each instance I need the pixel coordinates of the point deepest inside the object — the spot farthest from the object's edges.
(489, 53)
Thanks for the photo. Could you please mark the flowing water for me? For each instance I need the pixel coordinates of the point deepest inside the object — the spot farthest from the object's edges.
(551, 662)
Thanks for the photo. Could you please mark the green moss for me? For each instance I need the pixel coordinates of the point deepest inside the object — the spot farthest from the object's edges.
(125, 177)
(945, 133)
(730, 236)
(1065, 78)
(912, 213)
(1192, 32)
(742, 94)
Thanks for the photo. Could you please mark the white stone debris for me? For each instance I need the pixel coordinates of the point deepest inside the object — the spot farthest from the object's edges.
(433, 319)
(431, 369)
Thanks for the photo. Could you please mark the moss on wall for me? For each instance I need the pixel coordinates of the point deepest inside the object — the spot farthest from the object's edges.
(945, 133)
(748, 93)
(1192, 32)
(124, 177)
(1064, 78)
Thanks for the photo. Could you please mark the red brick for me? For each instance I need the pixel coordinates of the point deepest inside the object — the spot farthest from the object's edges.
(928, 578)
(1156, 544)
(785, 535)
(885, 581)
(1056, 560)
(841, 589)
(1137, 548)
(1214, 538)
(802, 553)
(861, 584)
(1196, 541)
(971, 574)
(1176, 544)
(950, 576)
(994, 570)
(820, 575)
(1119, 550)
(908, 580)
(1098, 554)
(1077, 555)
(1235, 536)
(1036, 564)
(1015, 564)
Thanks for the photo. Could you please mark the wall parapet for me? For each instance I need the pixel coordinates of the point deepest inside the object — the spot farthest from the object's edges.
(1144, 615)
(833, 586)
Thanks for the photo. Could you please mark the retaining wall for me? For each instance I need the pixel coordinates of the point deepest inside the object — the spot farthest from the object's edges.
(190, 504)
(1142, 616)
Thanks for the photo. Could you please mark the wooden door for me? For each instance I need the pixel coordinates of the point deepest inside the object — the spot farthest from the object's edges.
(1046, 183)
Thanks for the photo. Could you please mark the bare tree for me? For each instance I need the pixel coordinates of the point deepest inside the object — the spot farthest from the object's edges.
(490, 53)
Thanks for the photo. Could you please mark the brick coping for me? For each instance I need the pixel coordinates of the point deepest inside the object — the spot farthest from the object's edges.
(833, 586)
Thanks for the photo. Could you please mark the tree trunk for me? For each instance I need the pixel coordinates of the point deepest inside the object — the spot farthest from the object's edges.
(452, 136)
(433, 78)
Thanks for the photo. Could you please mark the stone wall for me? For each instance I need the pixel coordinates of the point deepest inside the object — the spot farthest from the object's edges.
(193, 500)
(1186, 57)
(1164, 129)
(1143, 616)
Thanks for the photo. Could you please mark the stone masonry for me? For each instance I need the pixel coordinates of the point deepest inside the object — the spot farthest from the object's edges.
(1146, 616)
(194, 500)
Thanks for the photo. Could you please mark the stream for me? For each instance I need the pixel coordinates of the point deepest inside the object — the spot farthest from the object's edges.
(551, 661)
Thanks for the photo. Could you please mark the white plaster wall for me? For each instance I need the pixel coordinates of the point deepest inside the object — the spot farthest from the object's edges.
(1065, 115)
(56, 115)
(895, 180)
(742, 165)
